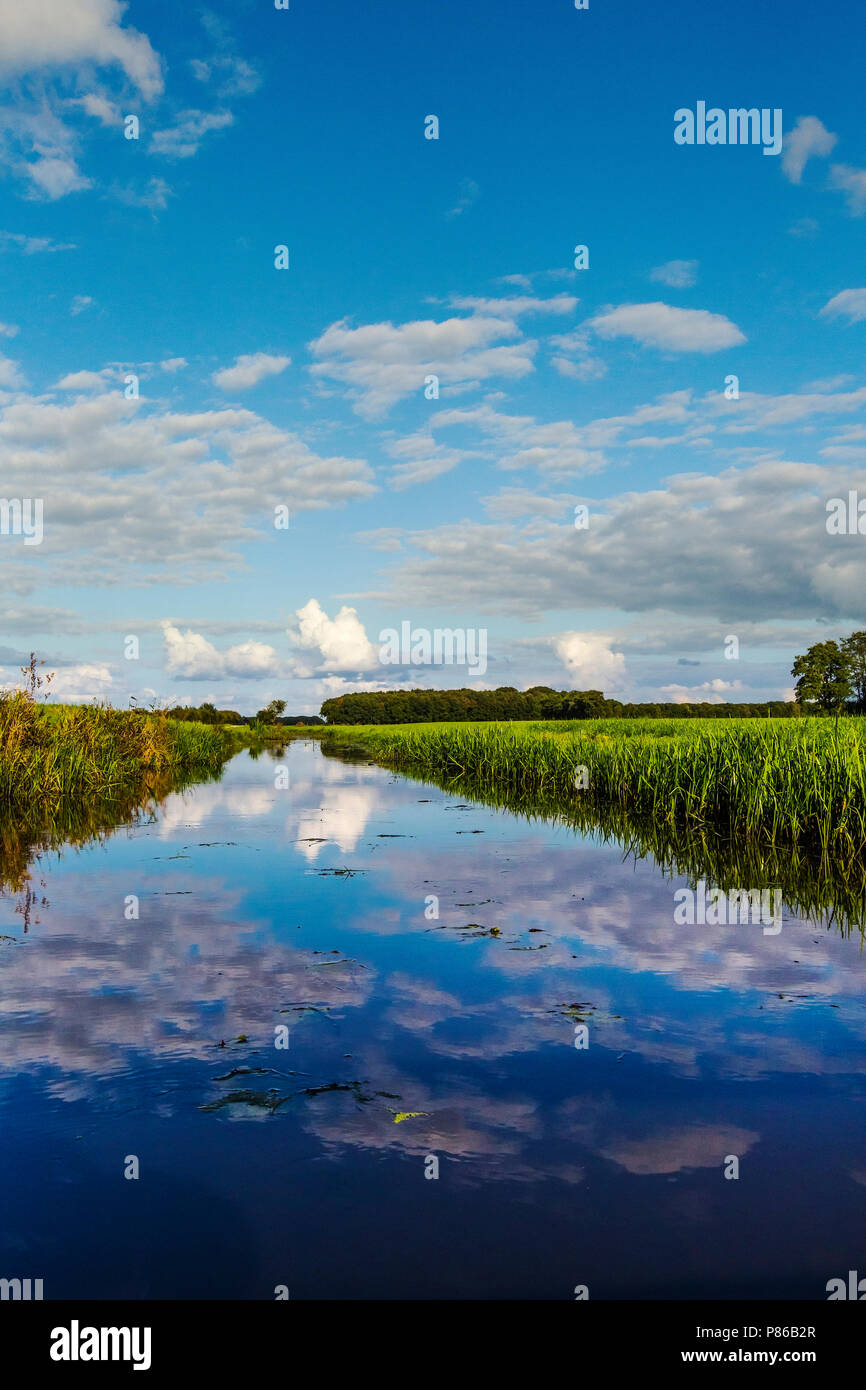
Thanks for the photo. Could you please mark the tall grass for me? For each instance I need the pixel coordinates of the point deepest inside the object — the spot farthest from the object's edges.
(52, 754)
(798, 782)
(73, 773)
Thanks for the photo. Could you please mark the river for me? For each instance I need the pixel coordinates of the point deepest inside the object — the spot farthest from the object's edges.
(240, 1053)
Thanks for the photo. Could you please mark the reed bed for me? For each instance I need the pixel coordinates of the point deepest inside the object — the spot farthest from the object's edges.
(786, 781)
(55, 755)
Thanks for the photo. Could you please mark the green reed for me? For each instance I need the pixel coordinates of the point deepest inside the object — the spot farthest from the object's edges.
(772, 782)
(50, 755)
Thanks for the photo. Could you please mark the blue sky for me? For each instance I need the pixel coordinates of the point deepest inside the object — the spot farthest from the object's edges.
(305, 387)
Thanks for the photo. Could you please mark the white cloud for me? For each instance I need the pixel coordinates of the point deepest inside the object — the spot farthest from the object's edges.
(154, 195)
(745, 545)
(87, 381)
(714, 692)
(512, 306)
(851, 182)
(8, 330)
(521, 282)
(76, 683)
(589, 660)
(423, 459)
(80, 303)
(521, 441)
(54, 176)
(573, 357)
(850, 303)
(142, 494)
(674, 330)
(98, 106)
(586, 369)
(173, 364)
(231, 74)
(43, 33)
(804, 227)
(808, 138)
(11, 378)
(341, 642)
(192, 656)
(468, 194)
(182, 140)
(380, 363)
(33, 245)
(249, 370)
(680, 275)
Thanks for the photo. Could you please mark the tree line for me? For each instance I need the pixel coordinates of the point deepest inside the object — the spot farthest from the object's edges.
(539, 702)
(830, 677)
(271, 714)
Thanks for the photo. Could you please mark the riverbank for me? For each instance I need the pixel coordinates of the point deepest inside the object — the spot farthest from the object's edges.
(767, 781)
(53, 753)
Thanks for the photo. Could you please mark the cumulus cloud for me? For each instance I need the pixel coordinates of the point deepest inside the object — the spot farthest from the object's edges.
(42, 34)
(53, 176)
(142, 494)
(77, 682)
(714, 692)
(589, 660)
(747, 544)
(85, 681)
(809, 137)
(556, 447)
(849, 303)
(380, 363)
(341, 642)
(11, 377)
(249, 370)
(192, 656)
(98, 106)
(573, 357)
(674, 330)
(422, 458)
(680, 275)
(87, 381)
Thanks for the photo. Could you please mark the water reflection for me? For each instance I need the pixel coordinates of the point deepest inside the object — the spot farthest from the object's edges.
(310, 908)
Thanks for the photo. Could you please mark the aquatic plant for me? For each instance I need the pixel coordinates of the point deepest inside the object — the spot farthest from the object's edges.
(767, 781)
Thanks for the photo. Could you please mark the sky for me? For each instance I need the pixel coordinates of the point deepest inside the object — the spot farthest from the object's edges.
(244, 472)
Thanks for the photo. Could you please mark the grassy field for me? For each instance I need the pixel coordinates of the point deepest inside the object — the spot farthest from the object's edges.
(769, 781)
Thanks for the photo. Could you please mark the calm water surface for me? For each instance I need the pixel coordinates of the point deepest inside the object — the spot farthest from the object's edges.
(304, 907)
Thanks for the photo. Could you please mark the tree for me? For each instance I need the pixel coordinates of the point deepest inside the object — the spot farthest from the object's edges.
(823, 676)
(271, 713)
(854, 648)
